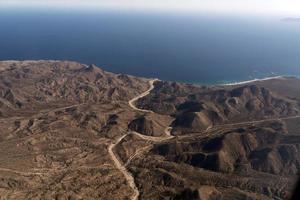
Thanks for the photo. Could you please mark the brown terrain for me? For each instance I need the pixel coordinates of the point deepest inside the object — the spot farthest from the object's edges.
(72, 131)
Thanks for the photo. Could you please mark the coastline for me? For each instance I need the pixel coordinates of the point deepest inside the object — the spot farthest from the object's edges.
(241, 82)
(212, 83)
(253, 80)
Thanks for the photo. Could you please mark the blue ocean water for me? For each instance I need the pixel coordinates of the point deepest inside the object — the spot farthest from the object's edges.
(194, 48)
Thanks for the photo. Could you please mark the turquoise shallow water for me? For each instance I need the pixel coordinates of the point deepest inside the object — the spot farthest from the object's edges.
(189, 48)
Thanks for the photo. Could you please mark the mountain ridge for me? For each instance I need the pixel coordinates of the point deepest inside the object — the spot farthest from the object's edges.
(69, 130)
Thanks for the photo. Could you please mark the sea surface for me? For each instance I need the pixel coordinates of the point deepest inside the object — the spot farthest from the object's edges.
(194, 48)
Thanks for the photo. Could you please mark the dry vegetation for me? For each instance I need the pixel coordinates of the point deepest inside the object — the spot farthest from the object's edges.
(58, 120)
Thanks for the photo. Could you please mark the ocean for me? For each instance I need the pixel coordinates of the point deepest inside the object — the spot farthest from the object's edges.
(192, 48)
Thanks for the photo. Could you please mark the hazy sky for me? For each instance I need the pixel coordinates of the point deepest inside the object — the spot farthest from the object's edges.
(277, 7)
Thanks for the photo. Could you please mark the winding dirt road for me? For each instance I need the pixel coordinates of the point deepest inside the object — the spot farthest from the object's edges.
(131, 102)
(122, 167)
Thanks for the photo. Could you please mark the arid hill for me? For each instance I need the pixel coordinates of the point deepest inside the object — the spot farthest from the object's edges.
(196, 109)
(70, 131)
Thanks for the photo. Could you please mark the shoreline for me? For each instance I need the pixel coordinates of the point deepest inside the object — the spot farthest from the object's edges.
(215, 83)
(233, 82)
(252, 80)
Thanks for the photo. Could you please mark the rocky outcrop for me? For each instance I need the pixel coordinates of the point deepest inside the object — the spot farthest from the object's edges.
(30, 85)
(142, 125)
(262, 149)
(67, 132)
(196, 109)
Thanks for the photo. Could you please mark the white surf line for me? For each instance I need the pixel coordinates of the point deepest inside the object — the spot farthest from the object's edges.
(167, 131)
(253, 80)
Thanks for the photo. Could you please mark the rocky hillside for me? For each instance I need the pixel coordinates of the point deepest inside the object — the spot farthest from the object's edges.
(196, 109)
(69, 132)
(30, 85)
